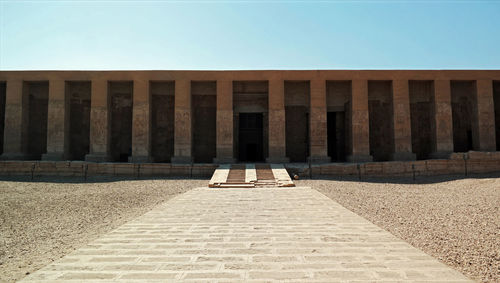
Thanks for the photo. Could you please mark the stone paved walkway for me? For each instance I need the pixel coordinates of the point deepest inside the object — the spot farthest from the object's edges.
(260, 234)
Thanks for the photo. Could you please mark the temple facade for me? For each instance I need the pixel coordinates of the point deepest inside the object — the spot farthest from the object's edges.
(316, 116)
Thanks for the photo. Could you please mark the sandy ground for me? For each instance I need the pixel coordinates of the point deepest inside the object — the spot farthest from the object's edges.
(456, 221)
(43, 220)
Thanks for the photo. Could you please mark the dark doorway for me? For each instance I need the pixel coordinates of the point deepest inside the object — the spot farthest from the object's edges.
(464, 105)
(297, 133)
(162, 116)
(421, 114)
(121, 120)
(38, 95)
(297, 120)
(381, 125)
(204, 103)
(3, 92)
(79, 118)
(251, 137)
(336, 135)
(496, 102)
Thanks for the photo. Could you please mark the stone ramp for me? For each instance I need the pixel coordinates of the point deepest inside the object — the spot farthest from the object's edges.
(250, 176)
(260, 235)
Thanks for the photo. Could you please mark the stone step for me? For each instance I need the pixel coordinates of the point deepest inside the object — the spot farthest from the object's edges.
(250, 176)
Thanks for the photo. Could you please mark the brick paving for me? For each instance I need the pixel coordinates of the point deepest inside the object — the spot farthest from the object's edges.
(261, 235)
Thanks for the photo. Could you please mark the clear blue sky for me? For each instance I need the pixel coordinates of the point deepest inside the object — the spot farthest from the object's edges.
(151, 35)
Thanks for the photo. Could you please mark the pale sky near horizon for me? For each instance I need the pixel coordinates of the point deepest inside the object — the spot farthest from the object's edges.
(236, 35)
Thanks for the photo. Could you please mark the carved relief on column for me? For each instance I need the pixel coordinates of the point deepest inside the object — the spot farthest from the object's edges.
(224, 135)
(141, 145)
(56, 122)
(277, 135)
(486, 115)
(13, 130)
(360, 123)
(401, 121)
(317, 123)
(182, 130)
(99, 122)
(442, 119)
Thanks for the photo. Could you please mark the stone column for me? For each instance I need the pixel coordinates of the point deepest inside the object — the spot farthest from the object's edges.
(360, 123)
(56, 122)
(277, 135)
(224, 125)
(13, 148)
(182, 130)
(486, 115)
(443, 122)
(318, 143)
(99, 123)
(141, 145)
(401, 121)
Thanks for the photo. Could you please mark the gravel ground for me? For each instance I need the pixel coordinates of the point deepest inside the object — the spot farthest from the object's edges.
(456, 221)
(43, 220)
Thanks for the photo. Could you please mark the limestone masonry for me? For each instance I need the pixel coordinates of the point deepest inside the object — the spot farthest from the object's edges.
(184, 117)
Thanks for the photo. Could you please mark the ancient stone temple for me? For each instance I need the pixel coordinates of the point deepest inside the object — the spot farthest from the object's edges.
(248, 116)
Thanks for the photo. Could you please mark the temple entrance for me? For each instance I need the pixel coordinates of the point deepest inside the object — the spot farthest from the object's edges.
(336, 136)
(121, 98)
(251, 137)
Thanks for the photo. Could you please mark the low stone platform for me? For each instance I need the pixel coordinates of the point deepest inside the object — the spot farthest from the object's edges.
(250, 176)
(472, 162)
(258, 235)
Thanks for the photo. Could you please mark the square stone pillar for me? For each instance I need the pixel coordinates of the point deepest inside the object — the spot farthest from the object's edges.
(277, 135)
(486, 115)
(224, 135)
(56, 122)
(182, 130)
(401, 121)
(99, 123)
(360, 123)
(13, 148)
(141, 145)
(318, 134)
(443, 121)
